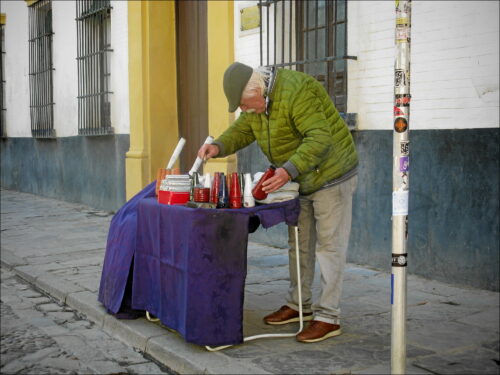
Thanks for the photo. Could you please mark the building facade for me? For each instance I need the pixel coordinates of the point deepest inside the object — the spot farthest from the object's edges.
(42, 150)
(95, 95)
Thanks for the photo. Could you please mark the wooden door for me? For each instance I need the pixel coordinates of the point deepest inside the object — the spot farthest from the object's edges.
(192, 73)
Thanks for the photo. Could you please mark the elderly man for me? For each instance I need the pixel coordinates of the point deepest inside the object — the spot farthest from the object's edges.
(298, 128)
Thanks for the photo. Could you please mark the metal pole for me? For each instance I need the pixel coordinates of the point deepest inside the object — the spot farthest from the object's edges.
(400, 185)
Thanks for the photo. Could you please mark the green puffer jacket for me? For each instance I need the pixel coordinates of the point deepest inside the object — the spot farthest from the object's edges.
(303, 133)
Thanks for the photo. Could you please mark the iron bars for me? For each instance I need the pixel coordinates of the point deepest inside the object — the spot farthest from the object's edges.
(309, 36)
(40, 69)
(93, 48)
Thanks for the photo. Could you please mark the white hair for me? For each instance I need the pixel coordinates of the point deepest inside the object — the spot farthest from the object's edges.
(255, 86)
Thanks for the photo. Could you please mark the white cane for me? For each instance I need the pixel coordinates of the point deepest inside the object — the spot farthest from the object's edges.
(177, 151)
(198, 161)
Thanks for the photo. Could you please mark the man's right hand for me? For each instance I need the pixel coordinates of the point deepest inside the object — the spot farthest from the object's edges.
(208, 151)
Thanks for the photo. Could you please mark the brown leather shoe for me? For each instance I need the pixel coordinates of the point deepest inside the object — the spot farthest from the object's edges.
(318, 331)
(285, 315)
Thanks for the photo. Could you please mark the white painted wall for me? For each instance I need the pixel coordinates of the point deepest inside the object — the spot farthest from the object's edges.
(120, 113)
(370, 37)
(16, 69)
(455, 59)
(65, 81)
(247, 43)
(455, 68)
(454, 64)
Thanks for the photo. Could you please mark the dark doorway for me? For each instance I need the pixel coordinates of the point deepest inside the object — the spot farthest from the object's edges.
(192, 77)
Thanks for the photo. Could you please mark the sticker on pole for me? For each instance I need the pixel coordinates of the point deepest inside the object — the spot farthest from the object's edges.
(402, 100)
(400, 203)
(400, 78)
(400, 125)
(403, 34)
(404, 163)
(405, 148)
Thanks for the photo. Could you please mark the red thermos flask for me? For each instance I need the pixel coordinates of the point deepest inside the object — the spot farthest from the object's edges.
(235, 192)
(214, 192)
(257, 191)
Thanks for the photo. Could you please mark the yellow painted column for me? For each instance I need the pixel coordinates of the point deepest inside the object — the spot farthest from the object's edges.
(220, 25)
(152, 91)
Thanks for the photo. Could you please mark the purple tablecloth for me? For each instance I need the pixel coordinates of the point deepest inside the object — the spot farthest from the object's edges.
(189, 265)
(120, 249)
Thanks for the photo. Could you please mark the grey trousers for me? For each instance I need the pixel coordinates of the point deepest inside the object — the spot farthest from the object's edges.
(324, 228)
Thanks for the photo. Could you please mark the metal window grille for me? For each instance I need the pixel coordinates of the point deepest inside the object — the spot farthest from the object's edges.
(40, 69)
(309, 36)
(3, 124)
(94, 46)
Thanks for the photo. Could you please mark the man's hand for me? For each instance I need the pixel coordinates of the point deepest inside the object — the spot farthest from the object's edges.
(280, 178)
(208, 151)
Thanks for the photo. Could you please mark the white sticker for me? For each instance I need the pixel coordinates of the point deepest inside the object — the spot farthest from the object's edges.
(400, 203)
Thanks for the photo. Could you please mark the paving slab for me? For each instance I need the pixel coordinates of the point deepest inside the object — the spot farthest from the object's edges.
(52, 285)
(473, 361)
(450, 329)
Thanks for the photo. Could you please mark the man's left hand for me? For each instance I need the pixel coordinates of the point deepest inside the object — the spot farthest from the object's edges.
(280, 178)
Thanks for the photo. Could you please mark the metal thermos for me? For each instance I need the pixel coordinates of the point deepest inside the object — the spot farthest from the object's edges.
(195, 183)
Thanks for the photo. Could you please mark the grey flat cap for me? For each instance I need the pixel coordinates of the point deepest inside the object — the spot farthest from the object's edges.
(236, 78)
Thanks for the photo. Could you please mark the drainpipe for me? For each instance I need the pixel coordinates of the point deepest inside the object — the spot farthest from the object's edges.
(400, 185)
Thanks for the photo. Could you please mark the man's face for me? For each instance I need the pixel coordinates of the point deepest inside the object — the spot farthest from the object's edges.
(255, 104)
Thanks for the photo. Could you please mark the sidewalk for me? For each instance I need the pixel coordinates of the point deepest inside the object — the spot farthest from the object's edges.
(59, 247)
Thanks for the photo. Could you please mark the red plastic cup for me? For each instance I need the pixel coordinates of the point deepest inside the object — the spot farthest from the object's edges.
(214, 192)
(235, 192)
(257, 191)
(160, 175)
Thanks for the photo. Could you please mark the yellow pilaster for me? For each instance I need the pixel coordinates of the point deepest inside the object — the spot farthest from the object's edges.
(152, 91)
(220, 54)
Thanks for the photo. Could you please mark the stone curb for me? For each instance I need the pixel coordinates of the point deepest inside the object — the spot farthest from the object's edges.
(162, 345)
(86, 303)
(180, 355)
(28, 273)
(53, 286)
(134, 332)
(9, 260)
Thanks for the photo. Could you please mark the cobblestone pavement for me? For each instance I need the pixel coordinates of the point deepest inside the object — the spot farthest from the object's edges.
(40, 336)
